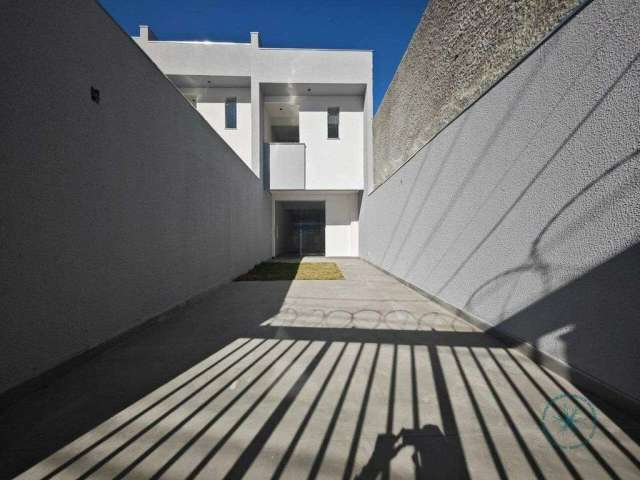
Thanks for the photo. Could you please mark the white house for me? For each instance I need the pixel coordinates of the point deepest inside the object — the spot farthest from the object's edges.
(301, 119)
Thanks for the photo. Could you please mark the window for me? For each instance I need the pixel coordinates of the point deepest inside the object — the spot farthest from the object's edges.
(333, 122)
(230, 113)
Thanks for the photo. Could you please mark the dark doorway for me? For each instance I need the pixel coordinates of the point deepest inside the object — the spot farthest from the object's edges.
(299, 228)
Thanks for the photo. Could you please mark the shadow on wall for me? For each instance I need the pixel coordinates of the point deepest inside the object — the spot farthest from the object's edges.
(536, 263)
(473, 173)
(597, 314)
(529, 221)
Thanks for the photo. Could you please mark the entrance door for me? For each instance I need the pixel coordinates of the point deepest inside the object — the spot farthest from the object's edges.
(299, 228)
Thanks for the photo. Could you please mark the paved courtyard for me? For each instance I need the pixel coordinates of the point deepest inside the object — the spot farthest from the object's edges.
(354, 378)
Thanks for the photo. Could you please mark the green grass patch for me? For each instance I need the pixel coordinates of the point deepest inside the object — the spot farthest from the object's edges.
(293, 271)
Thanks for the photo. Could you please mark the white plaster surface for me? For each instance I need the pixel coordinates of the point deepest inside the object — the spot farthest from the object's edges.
(286, 166)
(525, 211)
(211, 105)
(331, 164)
(199, 58)
(111, 213)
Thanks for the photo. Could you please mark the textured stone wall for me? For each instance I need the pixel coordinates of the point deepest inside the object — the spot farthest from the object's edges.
(459, 50)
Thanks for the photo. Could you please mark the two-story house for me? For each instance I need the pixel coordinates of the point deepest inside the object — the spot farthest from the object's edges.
(301, 119)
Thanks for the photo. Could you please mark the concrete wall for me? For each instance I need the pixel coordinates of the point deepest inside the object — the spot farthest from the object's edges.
(292, 65)
(459, 49)
(211, 105)
(525, 211)
(269, 65)
(114, 212)
(341, 216)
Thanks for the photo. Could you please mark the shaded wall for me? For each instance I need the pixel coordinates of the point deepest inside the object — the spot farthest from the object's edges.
(525, 211)
(459, 49)
(113, 212)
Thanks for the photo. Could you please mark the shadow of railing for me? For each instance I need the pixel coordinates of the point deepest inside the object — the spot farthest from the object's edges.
(585, 311)
(190, 427)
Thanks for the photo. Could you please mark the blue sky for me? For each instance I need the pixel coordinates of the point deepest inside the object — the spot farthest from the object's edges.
(384, 26)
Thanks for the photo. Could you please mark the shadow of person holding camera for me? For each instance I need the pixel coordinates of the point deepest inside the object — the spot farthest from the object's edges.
(433, 456)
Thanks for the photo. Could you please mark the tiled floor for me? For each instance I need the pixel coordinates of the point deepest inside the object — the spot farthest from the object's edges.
(361, 377)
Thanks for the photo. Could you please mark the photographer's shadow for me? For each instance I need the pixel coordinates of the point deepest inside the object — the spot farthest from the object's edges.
(433, 457)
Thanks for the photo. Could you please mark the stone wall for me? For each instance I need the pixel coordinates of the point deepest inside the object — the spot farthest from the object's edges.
(459, 50)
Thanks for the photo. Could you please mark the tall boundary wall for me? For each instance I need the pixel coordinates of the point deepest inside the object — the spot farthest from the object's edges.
(524, 212)
(458, 51)
(112, 212)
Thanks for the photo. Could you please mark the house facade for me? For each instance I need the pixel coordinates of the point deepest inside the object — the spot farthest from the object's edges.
(300, 119)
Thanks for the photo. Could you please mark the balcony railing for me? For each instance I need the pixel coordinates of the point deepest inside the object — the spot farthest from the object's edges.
(286, 164)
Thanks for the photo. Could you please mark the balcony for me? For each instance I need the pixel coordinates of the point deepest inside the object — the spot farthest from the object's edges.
(286, 165)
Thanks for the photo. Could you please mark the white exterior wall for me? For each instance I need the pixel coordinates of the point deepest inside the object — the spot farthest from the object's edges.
(286, 66)
(301, 65)
(112, 213)
(199, 58)
(211, 105)
(341, 216)
(287, 166)
(331, 164)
